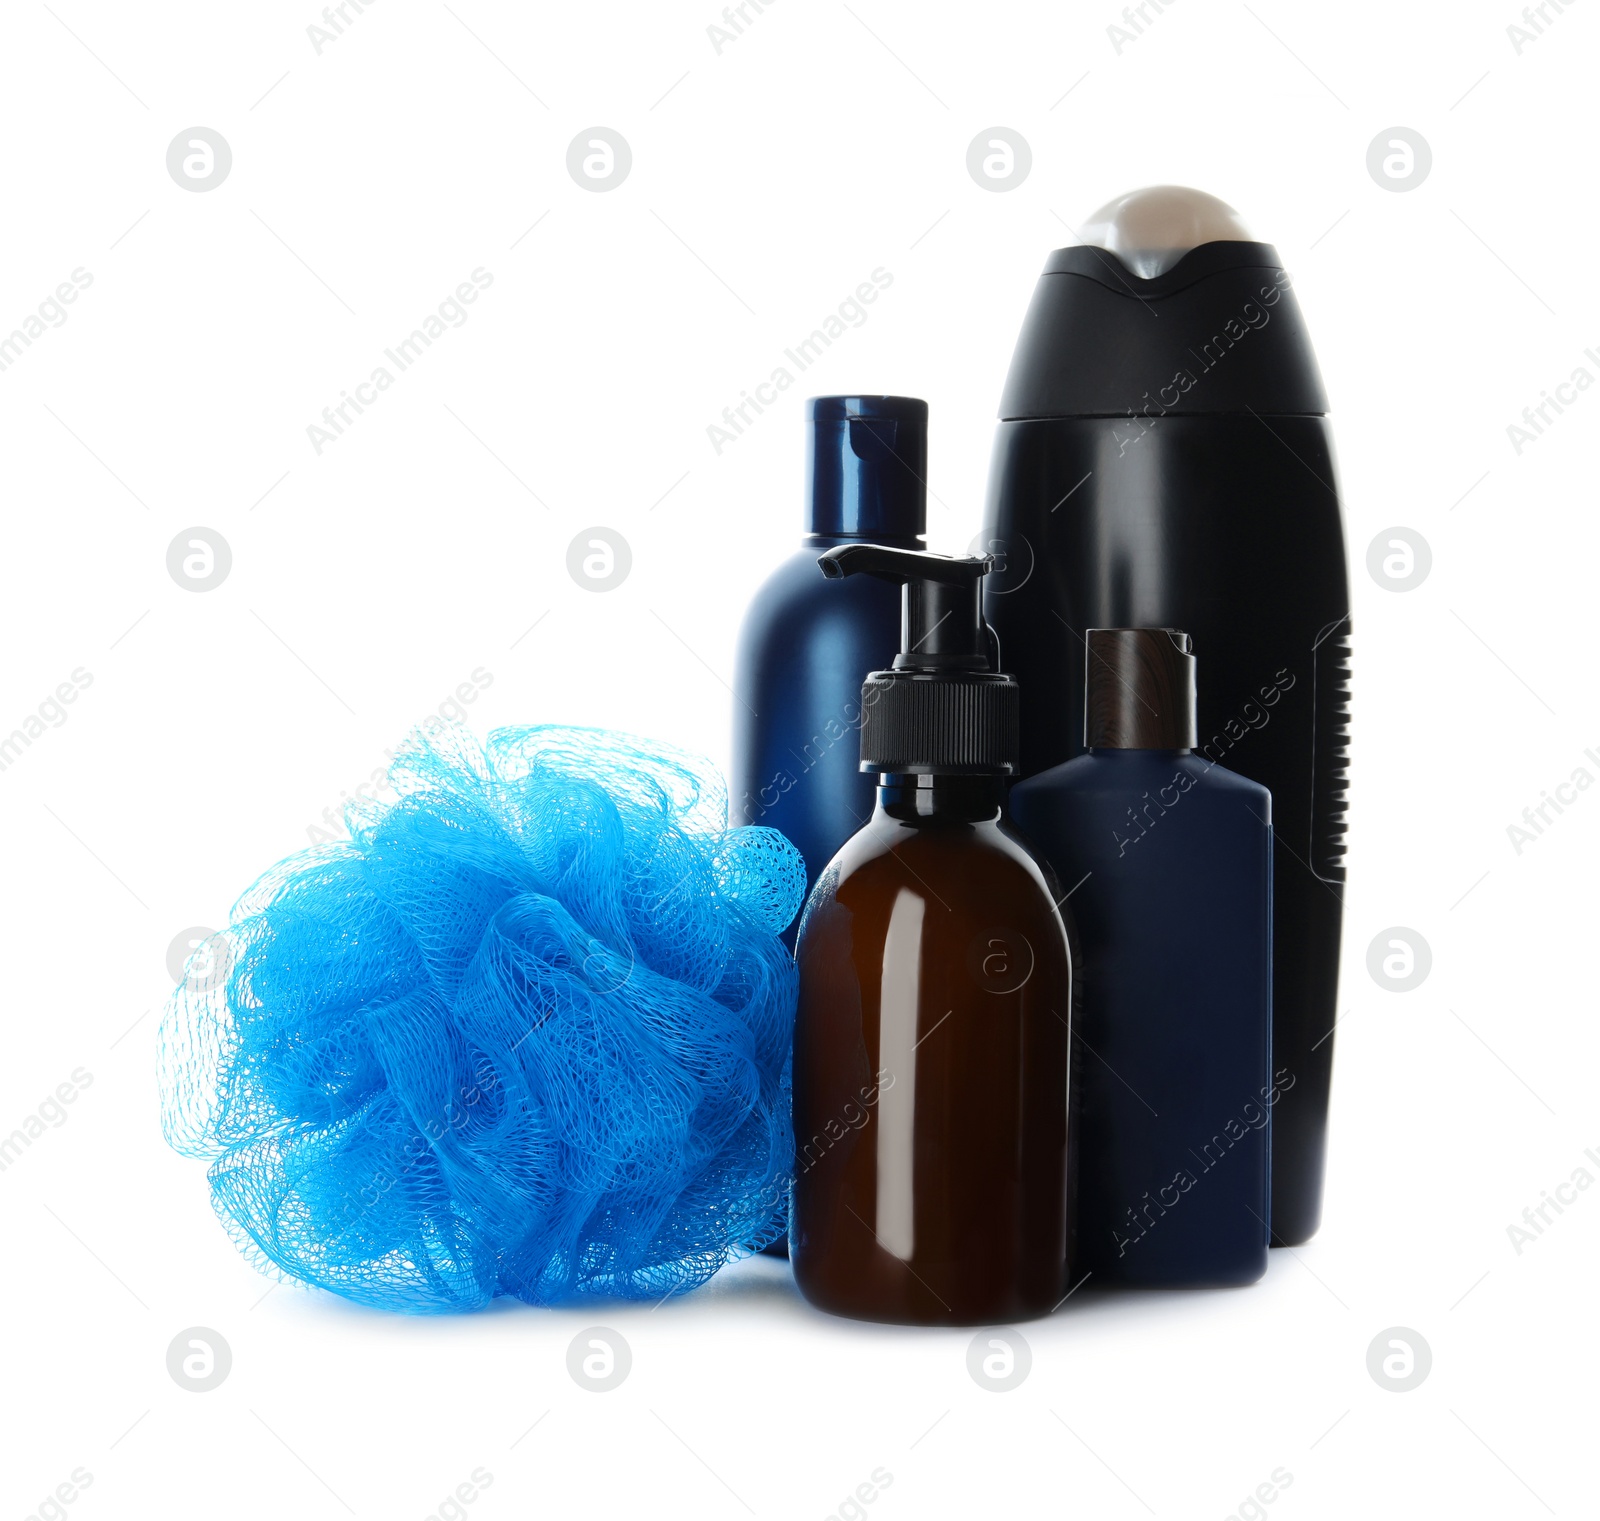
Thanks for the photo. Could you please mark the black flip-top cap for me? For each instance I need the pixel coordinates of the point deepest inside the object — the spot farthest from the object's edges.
(867, 467)
(1219, 331)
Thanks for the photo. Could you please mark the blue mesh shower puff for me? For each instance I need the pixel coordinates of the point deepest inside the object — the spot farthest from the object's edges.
(526, 1034)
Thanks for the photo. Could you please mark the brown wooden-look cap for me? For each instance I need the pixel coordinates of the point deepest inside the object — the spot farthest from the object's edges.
(1139, 691)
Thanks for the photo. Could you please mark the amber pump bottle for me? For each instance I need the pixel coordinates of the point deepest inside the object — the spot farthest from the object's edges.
(932, 1045)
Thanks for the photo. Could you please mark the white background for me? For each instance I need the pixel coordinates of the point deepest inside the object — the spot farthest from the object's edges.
(367, 582)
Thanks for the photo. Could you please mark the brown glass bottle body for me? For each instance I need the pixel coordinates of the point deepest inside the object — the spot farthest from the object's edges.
(931, 1068)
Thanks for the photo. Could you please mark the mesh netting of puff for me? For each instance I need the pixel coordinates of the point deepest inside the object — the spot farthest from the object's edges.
(527, 1033)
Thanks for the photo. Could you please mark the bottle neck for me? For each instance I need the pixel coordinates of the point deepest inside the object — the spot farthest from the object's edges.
(919, 799)
(1117, 751)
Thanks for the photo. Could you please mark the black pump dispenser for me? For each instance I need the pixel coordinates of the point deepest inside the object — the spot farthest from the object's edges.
(943, 709)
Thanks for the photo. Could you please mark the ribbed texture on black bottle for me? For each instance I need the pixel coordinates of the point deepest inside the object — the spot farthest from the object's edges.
(948, 726)
(1331, 751)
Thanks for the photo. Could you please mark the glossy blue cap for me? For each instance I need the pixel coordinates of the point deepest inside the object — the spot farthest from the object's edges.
(867, 467)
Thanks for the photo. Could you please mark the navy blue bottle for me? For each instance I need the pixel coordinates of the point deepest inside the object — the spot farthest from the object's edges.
(808, 644)
(1167, 861)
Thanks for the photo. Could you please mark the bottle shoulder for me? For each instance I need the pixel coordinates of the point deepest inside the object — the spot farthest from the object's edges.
(1221, 779)
(1116, 771)
(956, 866)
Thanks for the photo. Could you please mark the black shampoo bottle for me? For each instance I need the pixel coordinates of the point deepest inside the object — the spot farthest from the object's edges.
(1163, 460)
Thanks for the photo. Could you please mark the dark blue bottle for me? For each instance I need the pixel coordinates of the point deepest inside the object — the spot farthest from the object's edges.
(1166, 859)
(808, 644)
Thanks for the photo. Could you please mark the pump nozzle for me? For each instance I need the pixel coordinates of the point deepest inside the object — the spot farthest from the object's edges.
(941, 610)
(944, 708)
